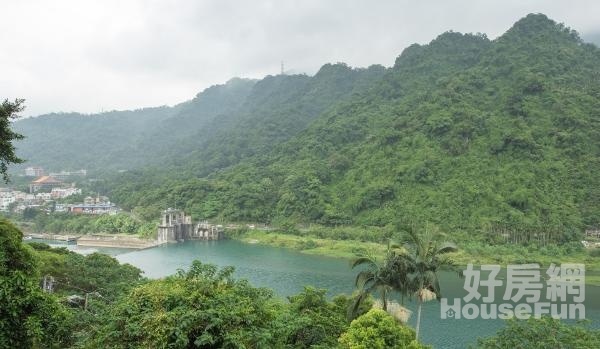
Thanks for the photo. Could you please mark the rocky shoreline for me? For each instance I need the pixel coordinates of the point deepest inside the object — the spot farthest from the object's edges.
(116, 241)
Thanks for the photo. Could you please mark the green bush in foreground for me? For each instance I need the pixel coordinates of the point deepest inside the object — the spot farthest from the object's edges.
(28, 316)
(542, 333)
(201, 308)
(378, 330)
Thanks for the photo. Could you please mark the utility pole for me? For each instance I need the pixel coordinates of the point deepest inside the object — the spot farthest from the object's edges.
(48, 284)
(282, 70)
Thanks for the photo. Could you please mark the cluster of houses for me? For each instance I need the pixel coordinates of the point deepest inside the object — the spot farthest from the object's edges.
(90, 205)
(46, 190)
(19, 201)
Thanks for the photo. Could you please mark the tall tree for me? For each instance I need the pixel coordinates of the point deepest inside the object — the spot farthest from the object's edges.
(8, 111)
(374, 278)
(426, 252)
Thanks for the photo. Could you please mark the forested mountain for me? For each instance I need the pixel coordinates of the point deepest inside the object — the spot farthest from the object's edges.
(464, 132)
(122, 139)
(277, 108)
(217, 128)
(73, 141)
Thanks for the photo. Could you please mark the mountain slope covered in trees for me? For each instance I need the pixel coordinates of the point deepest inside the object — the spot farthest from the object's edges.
(464, 132)
(220, 126)
(122, 139)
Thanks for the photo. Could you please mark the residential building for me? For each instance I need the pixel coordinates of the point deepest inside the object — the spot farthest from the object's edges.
(44, 183)
(34, 171)
(64, 175)
(101, 208)
(59, 193)
(5, 202)
(43, 196)
(91, 200)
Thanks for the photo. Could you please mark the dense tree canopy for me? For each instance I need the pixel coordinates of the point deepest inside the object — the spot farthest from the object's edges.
(28, 316)
(378, 330)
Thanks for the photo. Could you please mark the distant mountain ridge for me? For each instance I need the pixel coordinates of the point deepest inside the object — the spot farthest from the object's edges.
(216, 117)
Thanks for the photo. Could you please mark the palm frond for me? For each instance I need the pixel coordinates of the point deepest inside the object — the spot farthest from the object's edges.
(364, 260)
(446, 247)
(363, 278)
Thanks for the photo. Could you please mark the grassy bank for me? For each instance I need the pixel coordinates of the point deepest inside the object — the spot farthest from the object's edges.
(468, 252)
(312, 245)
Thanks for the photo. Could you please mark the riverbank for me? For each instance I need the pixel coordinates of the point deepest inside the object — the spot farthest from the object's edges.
(312, 245)
(348, 249)
(116, 241)
(56, 237)
(98, 240)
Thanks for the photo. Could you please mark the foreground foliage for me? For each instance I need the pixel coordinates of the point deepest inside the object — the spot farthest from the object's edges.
(28, 316)
(378, 330)
(542, 333)
(206, 308)
(203, 308)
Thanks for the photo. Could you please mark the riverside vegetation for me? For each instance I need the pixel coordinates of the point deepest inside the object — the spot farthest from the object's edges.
(98, 303)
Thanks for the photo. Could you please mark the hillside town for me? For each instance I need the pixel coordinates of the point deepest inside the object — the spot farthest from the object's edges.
(47, 191)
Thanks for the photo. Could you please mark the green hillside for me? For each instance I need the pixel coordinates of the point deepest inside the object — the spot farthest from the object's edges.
(122, 139)
(219, 127)
(463, 132)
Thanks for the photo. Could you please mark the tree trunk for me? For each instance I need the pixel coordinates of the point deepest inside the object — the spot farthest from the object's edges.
(420, 300)
(418, 320)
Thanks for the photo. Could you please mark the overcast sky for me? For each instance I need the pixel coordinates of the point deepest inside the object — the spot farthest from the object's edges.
(90, 56)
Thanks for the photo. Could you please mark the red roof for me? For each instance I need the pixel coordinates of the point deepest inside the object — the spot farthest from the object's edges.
(46, 180)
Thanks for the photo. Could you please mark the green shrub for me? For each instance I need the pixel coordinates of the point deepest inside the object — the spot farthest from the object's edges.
(595, 252)
(378, 330)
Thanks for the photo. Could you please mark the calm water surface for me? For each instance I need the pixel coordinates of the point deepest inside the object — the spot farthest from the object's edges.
(287, 272)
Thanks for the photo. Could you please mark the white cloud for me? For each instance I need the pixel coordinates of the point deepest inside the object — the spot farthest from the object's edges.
(92, 55)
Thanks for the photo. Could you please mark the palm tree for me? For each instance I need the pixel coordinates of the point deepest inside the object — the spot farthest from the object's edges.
(391, 274)
(426, 251)
(374, 278)
(400, 269)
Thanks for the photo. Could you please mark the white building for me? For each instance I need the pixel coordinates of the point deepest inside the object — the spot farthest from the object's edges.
(5, 202)
(64, 175)
(43, 196)
(59, 193)
(34, 171)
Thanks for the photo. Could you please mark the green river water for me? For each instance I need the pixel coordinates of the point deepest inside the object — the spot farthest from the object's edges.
(287, 272)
